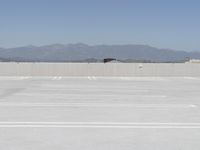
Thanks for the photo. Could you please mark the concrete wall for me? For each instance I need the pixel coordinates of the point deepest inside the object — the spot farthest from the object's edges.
(98, 69)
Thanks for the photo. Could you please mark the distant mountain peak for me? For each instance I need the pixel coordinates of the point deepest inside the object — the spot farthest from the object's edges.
(56, 44)
(77, 45)
(82, 52)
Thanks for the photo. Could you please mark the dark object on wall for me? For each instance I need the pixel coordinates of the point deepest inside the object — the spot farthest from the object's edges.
(108, 60)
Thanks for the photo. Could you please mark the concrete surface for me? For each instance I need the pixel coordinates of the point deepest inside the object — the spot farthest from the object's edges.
(95, 113)
(100, 69)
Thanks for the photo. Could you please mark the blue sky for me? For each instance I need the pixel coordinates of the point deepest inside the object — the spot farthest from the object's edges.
(171, 24)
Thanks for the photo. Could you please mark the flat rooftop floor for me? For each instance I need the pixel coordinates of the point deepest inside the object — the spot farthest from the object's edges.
(94, 113)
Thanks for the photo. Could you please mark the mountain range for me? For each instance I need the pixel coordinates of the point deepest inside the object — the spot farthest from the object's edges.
(87, 53)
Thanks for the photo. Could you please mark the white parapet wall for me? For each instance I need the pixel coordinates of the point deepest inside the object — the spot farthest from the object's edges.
(100, 69)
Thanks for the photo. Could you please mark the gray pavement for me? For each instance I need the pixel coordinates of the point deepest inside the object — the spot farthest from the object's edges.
(93, 113)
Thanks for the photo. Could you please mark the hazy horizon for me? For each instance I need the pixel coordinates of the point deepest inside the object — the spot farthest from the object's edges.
(76, 43)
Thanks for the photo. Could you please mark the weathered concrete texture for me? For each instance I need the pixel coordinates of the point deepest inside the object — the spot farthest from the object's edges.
(99, 113)
(98, 69)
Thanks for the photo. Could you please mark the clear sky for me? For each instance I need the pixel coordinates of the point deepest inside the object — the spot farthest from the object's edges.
(161, 23)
